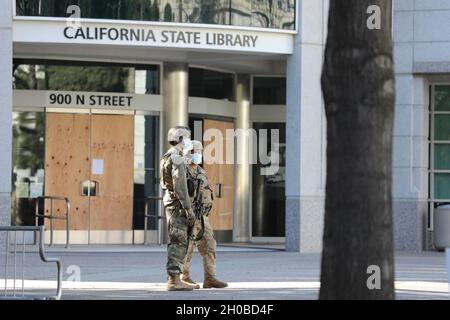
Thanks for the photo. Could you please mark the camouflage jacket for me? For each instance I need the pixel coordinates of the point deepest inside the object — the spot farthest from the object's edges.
(200, 175)
(173, 175)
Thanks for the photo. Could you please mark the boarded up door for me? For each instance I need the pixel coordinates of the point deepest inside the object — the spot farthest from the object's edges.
(221, 217)
(112, 147)
(73, 142)
(67, 164)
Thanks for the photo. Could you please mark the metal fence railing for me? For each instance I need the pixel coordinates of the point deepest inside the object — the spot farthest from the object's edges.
(52, 217)
(15, 257)
(155, 215)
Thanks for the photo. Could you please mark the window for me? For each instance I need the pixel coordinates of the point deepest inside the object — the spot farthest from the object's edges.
(146, 159)
(93, 77)
(440, 144)
(211, 84)
(28, 165)
(256, 13)
(269, 90)
(268, 195)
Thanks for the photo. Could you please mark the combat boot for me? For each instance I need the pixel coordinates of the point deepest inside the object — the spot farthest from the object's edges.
(187, 279)
(175, 284)
(212, 282)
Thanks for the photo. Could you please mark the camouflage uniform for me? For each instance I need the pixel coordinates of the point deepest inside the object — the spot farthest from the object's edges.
(207, 244)
(176, 201)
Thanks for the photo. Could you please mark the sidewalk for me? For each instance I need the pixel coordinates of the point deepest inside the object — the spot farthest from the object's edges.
(251, 272)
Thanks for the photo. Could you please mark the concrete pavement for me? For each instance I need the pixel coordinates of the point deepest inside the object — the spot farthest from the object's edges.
(252, 273)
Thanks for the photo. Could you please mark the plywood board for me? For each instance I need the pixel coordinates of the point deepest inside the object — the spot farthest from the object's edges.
(221, 217)
(67, 164)
(112, 140)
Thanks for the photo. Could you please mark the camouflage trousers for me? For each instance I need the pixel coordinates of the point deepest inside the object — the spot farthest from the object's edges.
(207, 248)
(178, 239)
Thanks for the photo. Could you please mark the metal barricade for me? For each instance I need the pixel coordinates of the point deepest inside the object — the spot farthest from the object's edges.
(158, 218)
(51, 217)
(12, 249)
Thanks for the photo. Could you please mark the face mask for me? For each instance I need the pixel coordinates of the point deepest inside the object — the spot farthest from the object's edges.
(196, 158)
(187, 143)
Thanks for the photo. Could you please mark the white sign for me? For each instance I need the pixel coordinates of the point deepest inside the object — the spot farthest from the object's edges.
(97, 166)
(132, 33)
(82, 99)
(86, 100)
(447, 254)
(36, 189)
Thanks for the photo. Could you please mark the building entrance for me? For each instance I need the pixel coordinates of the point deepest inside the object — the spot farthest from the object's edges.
(220, 173)
(89, 159)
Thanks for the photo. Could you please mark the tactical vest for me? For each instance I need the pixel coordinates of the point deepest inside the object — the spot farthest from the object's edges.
(201, 177)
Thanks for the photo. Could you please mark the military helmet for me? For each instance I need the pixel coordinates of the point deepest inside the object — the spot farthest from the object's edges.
(196, 145)
(176, 134)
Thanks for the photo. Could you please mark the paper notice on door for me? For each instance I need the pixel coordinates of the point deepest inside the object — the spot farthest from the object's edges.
(36, 189)
(97, 166)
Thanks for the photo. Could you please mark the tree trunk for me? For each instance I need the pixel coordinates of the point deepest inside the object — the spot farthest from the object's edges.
(358, 88)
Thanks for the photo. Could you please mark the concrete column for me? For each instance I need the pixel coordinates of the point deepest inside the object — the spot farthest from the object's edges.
(241, 219)
(5, 112)
(411, 131)
(410, 163)
(175, 104)
(293, 99)
(175, 96)
(306, 131)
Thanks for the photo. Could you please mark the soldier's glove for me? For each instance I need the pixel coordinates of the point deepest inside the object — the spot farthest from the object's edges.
(190, 217)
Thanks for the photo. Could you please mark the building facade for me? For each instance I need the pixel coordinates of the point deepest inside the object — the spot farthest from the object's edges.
(90, 89)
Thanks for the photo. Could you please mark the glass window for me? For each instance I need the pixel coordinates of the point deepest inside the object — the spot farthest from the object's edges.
(269, 90)
(442, 127)
(273, 14)
(211, 84)
(146, 164)
(442, 156)
(258, 13)
(268, 205)
(442, 186)
(28, 165)
(70, 76)
(442, 98)
(440, 135)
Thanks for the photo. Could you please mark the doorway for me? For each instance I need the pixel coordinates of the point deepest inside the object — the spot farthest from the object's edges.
(220, 175)
(268, 207)
(89, 159)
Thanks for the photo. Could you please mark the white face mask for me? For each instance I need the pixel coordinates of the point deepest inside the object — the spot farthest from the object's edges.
(196, 158)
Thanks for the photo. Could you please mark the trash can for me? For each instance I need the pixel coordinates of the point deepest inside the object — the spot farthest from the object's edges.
(447, 254)
(442, 226)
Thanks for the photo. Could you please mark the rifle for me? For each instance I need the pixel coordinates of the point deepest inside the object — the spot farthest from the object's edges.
(197, 207)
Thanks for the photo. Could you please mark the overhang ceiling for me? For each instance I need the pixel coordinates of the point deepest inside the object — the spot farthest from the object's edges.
(236, 62)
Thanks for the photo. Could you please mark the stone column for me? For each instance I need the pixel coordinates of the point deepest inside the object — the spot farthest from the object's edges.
(5, 112)
(306, 131)
(175, 104)
(175, 96)
(241, 219)
(411, 131)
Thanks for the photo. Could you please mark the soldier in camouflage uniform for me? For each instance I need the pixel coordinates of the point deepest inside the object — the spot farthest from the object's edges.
(177, 204)
(207, 244)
